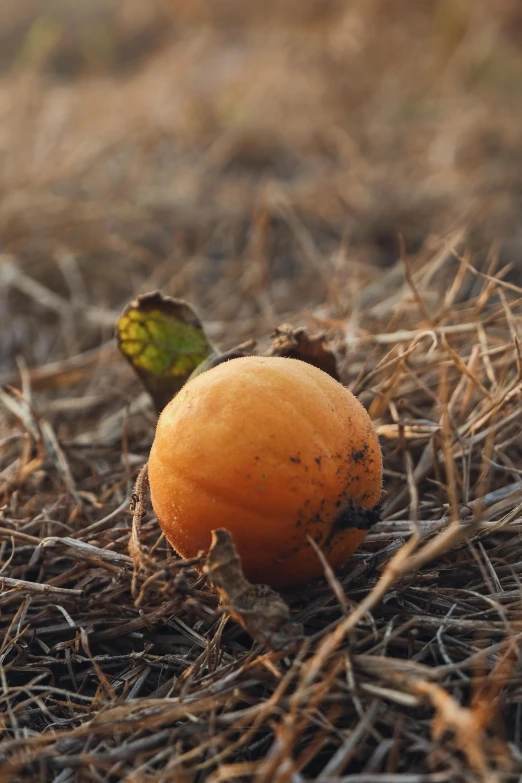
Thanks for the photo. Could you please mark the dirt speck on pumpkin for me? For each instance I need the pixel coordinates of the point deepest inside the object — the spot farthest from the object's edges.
(359, 455)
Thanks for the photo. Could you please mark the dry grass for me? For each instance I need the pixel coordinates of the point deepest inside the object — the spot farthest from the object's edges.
(264, 174)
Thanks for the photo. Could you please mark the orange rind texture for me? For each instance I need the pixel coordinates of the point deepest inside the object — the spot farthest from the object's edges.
(275, 451)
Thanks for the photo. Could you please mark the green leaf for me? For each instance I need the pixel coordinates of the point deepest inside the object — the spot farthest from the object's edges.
(164, 341)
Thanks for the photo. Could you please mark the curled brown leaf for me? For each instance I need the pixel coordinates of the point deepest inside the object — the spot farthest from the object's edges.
(257, 608)
(298, 344)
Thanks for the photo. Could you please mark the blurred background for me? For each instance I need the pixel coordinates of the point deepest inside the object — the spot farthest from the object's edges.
(259, 160)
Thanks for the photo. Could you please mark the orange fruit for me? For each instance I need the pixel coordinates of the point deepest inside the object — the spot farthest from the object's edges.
(274, 450)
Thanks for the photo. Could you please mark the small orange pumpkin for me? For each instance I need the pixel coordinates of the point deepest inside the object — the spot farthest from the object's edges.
(274, 450)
